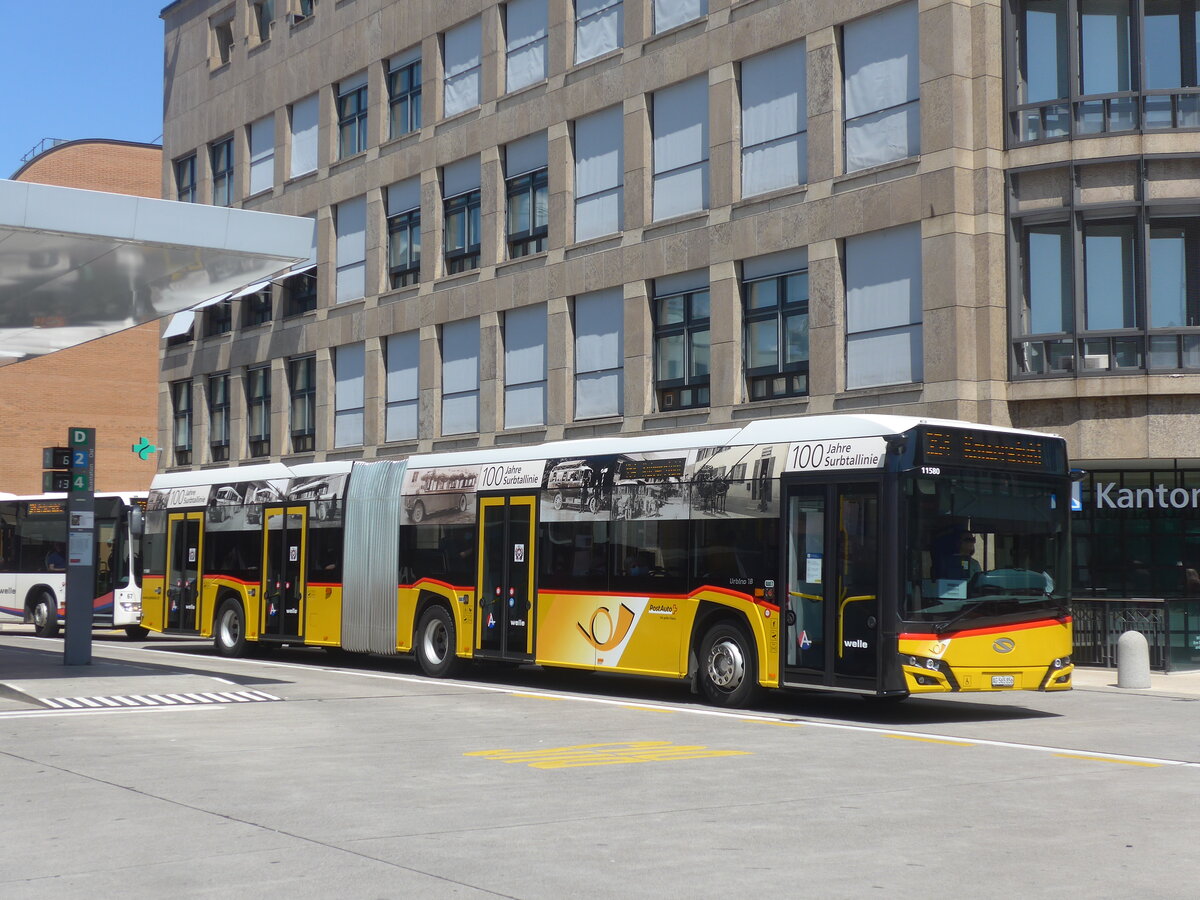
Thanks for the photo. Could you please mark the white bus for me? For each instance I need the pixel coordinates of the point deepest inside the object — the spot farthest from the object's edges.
(33, 561)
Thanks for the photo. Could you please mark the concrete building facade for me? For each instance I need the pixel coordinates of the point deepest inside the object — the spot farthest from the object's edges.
(558, 218)
(109, 384)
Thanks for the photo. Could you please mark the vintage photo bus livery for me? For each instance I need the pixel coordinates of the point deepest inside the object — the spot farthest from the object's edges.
(879, 555)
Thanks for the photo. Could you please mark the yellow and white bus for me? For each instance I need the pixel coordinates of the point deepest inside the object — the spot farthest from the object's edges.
(877, 555)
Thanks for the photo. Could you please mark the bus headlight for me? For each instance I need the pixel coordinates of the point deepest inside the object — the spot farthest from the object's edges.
(1061, 663)
(922, 662)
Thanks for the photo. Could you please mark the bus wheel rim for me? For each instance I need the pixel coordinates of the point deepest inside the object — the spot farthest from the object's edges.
(726, 665)
(436, 640)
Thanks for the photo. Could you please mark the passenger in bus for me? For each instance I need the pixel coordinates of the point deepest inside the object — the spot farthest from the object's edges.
(954, 556)
(55, 560)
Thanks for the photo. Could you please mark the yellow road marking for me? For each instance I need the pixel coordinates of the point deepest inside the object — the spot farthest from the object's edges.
(1127, 762)
(659, 709)
(536, 696)
(925, 740)
(616, 754)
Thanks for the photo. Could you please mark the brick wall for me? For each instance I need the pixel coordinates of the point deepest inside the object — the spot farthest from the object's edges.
(109, 384)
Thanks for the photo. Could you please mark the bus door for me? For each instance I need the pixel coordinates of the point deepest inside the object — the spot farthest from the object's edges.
(503, 622)
(832, 561)
(283, 570)
(185, 539)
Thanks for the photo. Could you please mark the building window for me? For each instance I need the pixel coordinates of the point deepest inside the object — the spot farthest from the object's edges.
(599, 28)
(185, 179)
(352, 116)
(349, 366)
(218, 417)
(1095, 297)
(404, 97)
(669, 14)
(460, 187)
(300, 293)
(221, 154)
(775, 316)
(525, 43)
(680, 124)
(350, 224)
(403, 352)
(460, 377)
(599, 354)
(262, 154)
(404, 233)
(256, 308)
(303, 120)
(258, 411)
(302, 383)
(264, 13)
(884, 308)
(681, 343)
(525, 366)
(1084, 67)
(461, 48)
(528, 195)
(774, 120)
(218, 319)
(302, 9)
(222, 37)
(599, 174)
(181, 405)
(882, 88)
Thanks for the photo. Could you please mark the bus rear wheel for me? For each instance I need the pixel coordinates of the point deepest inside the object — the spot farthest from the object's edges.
(436, 642)
(229, 634)
(44, 613)
(727, 666)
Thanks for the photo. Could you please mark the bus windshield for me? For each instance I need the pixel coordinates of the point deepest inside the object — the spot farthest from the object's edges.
(984, 546)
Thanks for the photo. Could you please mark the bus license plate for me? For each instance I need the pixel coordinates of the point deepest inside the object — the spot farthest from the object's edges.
(1003, 681)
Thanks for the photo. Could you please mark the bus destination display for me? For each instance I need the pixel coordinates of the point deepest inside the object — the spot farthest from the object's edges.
(985, 448)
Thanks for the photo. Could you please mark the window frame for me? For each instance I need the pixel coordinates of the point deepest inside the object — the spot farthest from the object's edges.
(468, 206)
(352, 121)
(185, 188)
(533, 239)
(222, 176)
(258, 308)
(689, 391)
(258, 409)
(302, 395)
(262, 12)
(218, 319)
(781, 312)
(218, 412)
(410, 98)
(408, 222)
(181, 422)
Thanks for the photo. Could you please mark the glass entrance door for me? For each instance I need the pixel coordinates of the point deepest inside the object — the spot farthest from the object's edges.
(283, 571)
(503, 626)
(185, 536)
(832, 607)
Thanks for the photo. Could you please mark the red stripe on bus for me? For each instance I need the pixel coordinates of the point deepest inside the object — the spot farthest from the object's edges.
(993, 629)
(740, 595)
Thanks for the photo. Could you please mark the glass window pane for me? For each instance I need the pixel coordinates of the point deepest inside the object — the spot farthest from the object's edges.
(1048, 279)
(1105, 62)
(1108, 274)
(1044, 51)
(1164, 351)
(669, 357)
(1162, 33)
(763, 340)
(796, 287)
(670, 310)
(700, 305)
(518, 212)
(762, 294)
(541, 206)
(698, 359)
(1168, 277)
(796, 338)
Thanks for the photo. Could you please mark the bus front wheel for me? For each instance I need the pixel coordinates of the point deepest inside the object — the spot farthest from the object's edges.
(436, 643)
(229, 635)
(136, 632)
(44, 613)
(727, 666)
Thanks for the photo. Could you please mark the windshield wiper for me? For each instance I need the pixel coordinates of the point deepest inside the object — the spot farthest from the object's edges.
(943, 627)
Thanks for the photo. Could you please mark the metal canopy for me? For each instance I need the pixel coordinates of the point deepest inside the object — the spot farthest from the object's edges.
(77, 265)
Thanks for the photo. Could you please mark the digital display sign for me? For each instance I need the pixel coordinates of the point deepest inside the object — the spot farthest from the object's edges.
(46, 508)
(991, 449)
(649, 469)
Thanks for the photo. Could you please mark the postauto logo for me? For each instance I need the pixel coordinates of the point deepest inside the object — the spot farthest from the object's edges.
(1004, 645)
(601, 633)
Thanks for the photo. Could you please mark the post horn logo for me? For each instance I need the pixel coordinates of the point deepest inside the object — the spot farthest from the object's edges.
(1004, 645)
(600, 632)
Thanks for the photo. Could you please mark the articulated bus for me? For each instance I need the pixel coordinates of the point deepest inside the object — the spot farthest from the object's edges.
(877, 555)
(33, 561)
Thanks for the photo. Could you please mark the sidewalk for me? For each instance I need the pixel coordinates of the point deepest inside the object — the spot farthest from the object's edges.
(1183, 684)
(34, 676)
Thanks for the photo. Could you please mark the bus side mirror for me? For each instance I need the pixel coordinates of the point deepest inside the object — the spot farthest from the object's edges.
(137, 522)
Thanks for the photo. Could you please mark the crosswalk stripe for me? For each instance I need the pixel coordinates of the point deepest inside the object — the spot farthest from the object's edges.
(143, 700)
